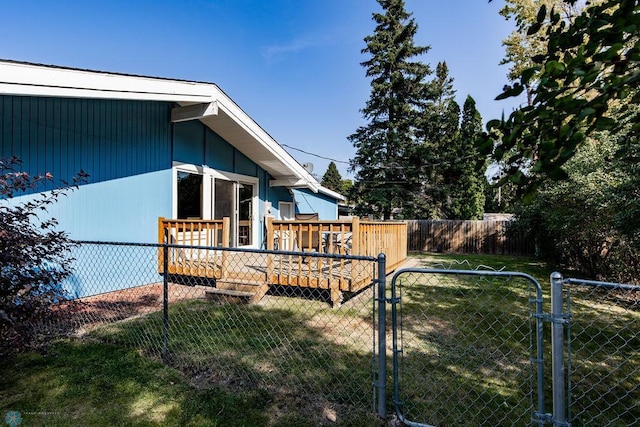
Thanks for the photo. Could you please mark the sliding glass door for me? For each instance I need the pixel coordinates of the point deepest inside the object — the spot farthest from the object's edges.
(235, 200)
(203, 193)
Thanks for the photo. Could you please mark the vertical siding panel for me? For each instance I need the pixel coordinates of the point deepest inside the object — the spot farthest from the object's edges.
(141, 134)
(108, 139)
(6, 115)
(103, 143)
(84, 143)
(57, 157)
(51, 151)
(76, 150)
(29, 156)
(121, 166)
(141, 161)
(37, 137)
(129, 160)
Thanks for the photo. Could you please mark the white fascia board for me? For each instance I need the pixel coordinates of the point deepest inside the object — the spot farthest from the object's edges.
(331, 193)
(46, 91)
(39, 80)
(260, 135)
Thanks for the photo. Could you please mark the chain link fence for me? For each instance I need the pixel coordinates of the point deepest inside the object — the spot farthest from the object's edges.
(603, 353)
(307, 357)
(464, 347)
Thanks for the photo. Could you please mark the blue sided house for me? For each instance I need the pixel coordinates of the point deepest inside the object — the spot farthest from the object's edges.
(152, 147)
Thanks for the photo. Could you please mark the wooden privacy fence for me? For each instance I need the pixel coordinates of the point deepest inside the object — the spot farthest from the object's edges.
(467, 237)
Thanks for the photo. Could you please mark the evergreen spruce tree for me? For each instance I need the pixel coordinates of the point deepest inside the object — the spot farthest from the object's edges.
(386, 145)
(332, 178)
(438, 131)
(467, 192)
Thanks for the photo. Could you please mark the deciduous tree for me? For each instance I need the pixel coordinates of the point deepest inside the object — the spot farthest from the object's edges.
(586, 80)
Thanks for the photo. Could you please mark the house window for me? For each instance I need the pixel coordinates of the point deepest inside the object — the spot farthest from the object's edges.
(189, 195)
(286, 210)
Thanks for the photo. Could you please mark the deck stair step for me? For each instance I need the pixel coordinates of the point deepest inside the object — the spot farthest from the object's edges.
(229, 295)
(238, 285)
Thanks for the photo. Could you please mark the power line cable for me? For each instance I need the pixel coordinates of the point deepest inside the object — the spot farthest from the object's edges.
(315, 155)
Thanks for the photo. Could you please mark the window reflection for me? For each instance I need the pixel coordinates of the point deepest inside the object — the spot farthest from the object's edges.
(189, 195)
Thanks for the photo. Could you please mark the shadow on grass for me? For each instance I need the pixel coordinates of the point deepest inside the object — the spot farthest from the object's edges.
(282, 357)
(81, 383)
(466, 350)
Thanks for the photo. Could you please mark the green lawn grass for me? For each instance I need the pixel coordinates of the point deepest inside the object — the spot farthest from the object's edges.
(465, 345)
(538, 269)
(296, 361)
(286, 362)
(96, 384)
(474, 316)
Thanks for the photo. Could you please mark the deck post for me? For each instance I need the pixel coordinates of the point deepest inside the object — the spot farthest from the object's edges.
(355, 239)
(269, 238)
(226, 231)
(382, 337)
(161, 237)
(355, 245)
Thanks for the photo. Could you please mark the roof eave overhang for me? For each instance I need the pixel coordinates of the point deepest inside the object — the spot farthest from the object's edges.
(196, 101)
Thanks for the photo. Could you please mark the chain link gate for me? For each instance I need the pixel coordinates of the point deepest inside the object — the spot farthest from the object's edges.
(599, 322)
(467, 348)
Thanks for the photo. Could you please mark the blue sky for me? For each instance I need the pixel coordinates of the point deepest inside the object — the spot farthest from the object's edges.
(292, 65)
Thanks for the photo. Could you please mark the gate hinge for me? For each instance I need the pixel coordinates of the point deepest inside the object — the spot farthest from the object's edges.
(558, 318)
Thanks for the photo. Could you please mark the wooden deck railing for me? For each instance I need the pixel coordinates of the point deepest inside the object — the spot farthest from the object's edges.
(389, 238)
(194, 261)
(338, 275)
(353, 237)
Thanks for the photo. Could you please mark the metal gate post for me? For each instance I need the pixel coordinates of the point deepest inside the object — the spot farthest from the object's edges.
(557, 350)
(382, 336)
(165, 298)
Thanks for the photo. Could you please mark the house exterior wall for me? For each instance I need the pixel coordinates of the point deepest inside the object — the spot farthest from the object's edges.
(124, 146)
(107, 139)
(307, 202)
(128, 148)
(198, 145)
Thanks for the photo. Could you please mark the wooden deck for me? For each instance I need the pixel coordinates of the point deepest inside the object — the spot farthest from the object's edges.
(254, 272)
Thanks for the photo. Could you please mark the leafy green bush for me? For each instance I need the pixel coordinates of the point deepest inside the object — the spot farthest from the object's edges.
(34, 257)
(588, 222)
